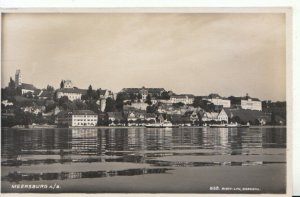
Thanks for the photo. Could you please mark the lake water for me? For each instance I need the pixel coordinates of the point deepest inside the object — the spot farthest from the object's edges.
(181, 160)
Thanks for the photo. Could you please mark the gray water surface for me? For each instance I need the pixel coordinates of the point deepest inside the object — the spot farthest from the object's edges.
(181, 160)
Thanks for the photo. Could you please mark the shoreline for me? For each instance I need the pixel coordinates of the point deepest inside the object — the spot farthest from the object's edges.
(135, 127)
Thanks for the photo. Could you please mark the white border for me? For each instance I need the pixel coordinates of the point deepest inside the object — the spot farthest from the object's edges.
(294, 4)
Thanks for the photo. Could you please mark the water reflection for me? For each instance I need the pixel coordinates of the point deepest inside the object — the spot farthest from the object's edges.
(17, 177)
(151, 147)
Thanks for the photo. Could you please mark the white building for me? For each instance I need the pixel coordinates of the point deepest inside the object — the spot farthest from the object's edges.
(251, 103)
(25, 87)
(218, 100)
(215, 116)
(77, 118)
(140, 106)
(72, 94)
(222, 116)
(186, 99)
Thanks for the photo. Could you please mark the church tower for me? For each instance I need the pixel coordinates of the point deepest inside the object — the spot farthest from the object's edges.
(18, 78)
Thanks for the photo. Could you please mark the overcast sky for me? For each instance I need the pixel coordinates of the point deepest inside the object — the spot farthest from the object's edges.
(229, 54)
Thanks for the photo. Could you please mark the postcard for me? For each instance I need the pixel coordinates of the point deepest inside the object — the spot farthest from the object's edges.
(187, 101)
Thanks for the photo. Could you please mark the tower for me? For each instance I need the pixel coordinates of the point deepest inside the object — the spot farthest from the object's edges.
(18, 78)
(102, 104)
(67, 84)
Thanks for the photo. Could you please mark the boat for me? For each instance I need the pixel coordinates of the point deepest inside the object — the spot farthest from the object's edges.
(230, 125)
(165, 124)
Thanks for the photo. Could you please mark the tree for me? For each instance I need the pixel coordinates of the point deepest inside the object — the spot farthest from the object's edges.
(236, 119)
(80, 105)
(50, 107)
(116, 121)
(50, 88)
(55, 96)
(197, 101)
(151, 109)
(90, 92)
(177, 105)
(165, 95)
(61, 84)
(11, 83)
(139, 121)
(148, 100)
(98, 94)
(18, 91)
(110, 105)
(139, 96)
(235, 100)
(63, 100)
(92, 105)
(69, 106)
(273, 119)
(119, 101)
(132, 97)
(28, 95)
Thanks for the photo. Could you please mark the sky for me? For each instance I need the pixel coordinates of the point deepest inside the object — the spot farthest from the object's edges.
(228, 54)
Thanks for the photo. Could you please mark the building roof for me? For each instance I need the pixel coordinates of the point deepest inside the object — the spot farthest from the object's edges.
(211, 115)
(83, 112)
(76, 112)
(246, 114)
(137, 90)
(188, 95)
(179, 96)
(248, 97)
(72, 90)
(45, 94)
(27, 86)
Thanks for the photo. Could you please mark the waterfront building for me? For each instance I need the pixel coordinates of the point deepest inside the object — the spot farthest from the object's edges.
(138, 118)
(222, 116)
(215, 116)
(218, 100)
(77, 118)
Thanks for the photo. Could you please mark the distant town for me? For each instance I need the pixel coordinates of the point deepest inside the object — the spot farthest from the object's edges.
(23, 105)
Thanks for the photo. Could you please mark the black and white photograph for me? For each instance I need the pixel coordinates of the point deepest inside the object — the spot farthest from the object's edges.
(184, 102)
